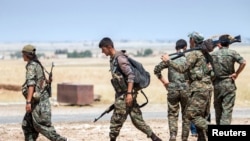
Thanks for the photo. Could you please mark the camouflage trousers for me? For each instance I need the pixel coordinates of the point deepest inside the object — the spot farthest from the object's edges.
(39, 121)
(224, 99)
(198, 110)
(120, 114)
(175, 99)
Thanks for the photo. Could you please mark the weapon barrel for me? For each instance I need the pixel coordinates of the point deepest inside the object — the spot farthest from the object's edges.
(111, 107)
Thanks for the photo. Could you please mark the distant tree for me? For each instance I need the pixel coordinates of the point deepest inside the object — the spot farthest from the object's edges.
(61, 51)
(19, 54)
(83, 54)
(87, 53)
(148, 52)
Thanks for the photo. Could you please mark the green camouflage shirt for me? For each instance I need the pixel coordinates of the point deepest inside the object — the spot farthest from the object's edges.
(34, 75)
(196, 67)
(224, 60)
(177, 80)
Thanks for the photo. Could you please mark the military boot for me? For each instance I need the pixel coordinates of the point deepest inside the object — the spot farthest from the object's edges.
(172, 138)
(154, 137)
(202, 135)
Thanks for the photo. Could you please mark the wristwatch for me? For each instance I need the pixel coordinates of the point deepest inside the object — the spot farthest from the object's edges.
(28, 102)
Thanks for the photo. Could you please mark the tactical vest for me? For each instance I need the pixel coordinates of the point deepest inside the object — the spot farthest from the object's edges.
(118, 81)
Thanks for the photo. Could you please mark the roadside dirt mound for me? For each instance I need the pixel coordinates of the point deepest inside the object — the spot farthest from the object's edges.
(10, 87)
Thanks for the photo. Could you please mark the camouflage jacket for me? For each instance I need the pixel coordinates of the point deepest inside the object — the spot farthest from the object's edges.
(121, 72)
(123, 64)
(177, 80)
(224, 60)
(34, 76)
(196, 67)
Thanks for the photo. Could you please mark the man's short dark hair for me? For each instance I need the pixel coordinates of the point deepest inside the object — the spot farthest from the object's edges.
(180, 44)
(106, 41)
(224, 40)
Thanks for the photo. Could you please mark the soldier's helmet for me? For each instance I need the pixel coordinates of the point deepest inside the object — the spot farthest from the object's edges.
(29, 49)
(198, 38)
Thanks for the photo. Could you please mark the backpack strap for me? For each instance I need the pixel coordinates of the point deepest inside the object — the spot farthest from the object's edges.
(145, 103)
(116, 66)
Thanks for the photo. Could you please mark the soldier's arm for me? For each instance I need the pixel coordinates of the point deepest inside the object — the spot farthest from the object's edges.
(157, 71)
(31, 83)
(191, 59)
(126, 68)
(127, 71)
(239, 70)
(158, 68)
(242, 63)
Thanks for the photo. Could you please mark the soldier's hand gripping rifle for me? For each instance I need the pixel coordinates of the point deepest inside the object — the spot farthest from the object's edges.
(110, 108)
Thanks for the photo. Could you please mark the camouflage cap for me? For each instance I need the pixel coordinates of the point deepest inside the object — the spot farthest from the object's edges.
(198, 38)
(29, 49)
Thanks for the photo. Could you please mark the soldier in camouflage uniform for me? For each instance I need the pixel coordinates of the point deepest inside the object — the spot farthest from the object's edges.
(125, 97)
(224, 60)
(196, 40)
(38, 109)
(177, 88)
(200, 86)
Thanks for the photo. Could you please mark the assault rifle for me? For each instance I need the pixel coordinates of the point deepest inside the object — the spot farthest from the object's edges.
(110, 108)
(49, 81)
(180, 54)
(207, 46)
(233, 40)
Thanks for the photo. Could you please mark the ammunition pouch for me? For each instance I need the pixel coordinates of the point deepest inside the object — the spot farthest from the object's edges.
(119, 84)
(37, 96)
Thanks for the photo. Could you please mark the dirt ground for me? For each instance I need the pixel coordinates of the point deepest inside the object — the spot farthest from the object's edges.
(90, 131)
(85, 131)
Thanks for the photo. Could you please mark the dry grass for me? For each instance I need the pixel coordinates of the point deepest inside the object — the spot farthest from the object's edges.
(96, 71)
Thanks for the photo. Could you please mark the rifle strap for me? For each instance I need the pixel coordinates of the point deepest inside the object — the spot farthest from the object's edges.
(145, 103)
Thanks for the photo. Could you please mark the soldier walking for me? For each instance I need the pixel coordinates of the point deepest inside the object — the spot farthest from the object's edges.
(37, 118)
(125, 97)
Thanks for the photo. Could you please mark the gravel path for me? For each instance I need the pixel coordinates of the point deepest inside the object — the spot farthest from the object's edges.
(76, 122)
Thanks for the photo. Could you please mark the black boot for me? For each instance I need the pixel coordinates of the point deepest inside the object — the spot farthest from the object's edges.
(112, 139)
(155, 138)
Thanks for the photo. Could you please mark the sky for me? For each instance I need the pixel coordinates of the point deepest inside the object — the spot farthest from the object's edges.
(82, 20)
